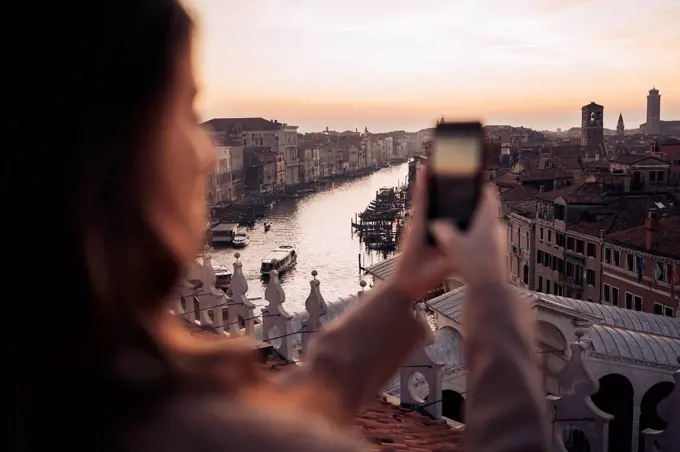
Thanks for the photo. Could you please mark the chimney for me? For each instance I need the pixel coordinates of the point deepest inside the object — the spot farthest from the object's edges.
(541, 189)
(651, 228)
(602, 231)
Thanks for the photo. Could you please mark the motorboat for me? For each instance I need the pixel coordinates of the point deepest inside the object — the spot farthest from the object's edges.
(240, 240)
(279, 259)
(223, 233)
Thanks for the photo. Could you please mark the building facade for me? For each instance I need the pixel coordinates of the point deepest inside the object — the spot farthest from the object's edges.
(579, 243)
(222, 185)
(640, 264)
(260, 169)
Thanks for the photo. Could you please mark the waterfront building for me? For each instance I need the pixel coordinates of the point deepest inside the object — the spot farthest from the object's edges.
(259, 132)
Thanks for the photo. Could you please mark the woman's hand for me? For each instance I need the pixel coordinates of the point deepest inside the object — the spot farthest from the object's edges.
(478, 255)
(420, 267)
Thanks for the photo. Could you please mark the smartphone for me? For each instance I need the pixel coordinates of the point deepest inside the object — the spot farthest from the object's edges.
(455, 169)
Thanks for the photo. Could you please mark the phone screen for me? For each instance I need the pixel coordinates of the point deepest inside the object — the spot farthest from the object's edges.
(455, 172)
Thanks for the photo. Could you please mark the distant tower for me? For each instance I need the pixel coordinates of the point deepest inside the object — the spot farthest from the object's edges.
(592, 126)
(653, 112)
(620, 128)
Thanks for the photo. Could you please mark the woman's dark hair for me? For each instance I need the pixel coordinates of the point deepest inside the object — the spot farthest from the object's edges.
(88, 85)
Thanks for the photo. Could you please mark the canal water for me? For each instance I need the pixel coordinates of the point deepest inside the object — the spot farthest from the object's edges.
(318, 227)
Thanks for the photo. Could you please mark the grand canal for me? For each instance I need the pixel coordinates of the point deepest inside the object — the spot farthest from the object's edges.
(318, 227)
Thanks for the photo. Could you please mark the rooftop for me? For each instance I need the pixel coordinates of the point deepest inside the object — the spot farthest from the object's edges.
(244, 124)
(384, 268)
(649, 339)
(632, 159)
(520, 193)
(586, 193)
(543, 174)
(665, 241)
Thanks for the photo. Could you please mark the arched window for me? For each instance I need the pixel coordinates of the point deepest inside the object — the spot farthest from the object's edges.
(615, 397)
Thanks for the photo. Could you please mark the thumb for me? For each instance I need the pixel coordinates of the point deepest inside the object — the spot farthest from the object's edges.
(448, 237)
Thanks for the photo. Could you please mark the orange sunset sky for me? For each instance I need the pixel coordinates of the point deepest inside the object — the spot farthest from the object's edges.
(397, 64)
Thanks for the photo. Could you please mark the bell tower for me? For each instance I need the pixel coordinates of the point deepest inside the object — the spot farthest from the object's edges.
(592, 126)
(620, 128)
(653, 112)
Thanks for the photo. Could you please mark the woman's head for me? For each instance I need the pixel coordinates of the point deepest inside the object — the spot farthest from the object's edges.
(103, 176)
(126, 157)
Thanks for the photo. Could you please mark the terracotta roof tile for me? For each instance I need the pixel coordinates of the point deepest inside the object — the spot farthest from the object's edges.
(631, 159)
(390, 426)
(521, 193)
(671, 150)
(666, 241)
(586, 193)
(623, 212)
(507, 180)
(543, 174)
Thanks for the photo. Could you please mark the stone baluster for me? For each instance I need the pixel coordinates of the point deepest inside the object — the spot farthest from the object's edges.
(355, 299)
(210, 299)
(183, 300)
(316, 308)
(421, 370)
(240, 311)
(276, 322)
(186, 292)
(362, 283)
(667, 440)
(574, 410)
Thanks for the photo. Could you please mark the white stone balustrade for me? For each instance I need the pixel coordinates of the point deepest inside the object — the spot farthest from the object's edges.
(183, 300)
(316, 308)
(240, 310)
(421, 370)
(276, 322)
(211, 300)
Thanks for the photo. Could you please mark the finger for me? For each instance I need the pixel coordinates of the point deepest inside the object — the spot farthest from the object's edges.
(448, 238)
(418, 205)
(437, 268)
(490, 202)
(419, 199)
(488, 208)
